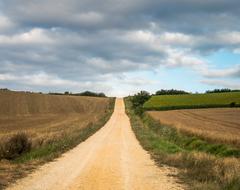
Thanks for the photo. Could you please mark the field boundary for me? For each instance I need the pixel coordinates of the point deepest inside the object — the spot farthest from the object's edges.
(202, 125)
(189, 141)
(166, 108)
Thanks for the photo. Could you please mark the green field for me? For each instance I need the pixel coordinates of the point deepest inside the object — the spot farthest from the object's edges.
(168, 102)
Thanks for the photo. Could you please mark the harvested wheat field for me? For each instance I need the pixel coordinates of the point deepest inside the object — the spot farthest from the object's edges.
(216, 124)
(45, 116)
(52, 124)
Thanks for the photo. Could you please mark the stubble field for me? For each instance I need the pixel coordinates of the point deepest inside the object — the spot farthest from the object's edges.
(220, 125)
(44, 117)
(52, 123)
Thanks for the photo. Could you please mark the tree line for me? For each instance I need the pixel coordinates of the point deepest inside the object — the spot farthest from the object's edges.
(222, 90)
(176, 92)
(170, 92)
(85, 93)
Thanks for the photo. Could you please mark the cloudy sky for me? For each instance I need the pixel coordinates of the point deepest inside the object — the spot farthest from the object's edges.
(119, 46)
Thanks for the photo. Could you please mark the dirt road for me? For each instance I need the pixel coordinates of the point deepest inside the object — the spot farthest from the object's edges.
(110, 159)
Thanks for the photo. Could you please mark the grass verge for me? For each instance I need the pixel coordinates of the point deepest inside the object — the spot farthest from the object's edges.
(187, 141)
(201, 165)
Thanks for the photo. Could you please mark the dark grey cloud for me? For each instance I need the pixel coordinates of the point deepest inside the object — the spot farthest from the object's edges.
(91, 14)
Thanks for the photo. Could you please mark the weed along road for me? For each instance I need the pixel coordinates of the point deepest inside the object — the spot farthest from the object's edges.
(110, 159)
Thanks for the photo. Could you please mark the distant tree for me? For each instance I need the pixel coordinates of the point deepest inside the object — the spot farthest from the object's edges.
(89, 93)
(86, 93)
(55, 93)
(101, 94)
(170, 92)
(138, 100)
(221, 90)
(4, 89)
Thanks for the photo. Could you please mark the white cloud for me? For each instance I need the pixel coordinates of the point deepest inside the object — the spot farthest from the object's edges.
(34, 36)
(42, 80)
(39, 79)
(181, 58)
(176, 38)
(137, 81)
(158, 41)
(140, 36)
(229, 37)
(7, 77)
(228, 72)
(5, 23)
(222, 83)
(113, 85)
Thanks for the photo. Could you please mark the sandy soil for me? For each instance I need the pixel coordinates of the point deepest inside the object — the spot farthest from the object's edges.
(110, 159)
(221, 124)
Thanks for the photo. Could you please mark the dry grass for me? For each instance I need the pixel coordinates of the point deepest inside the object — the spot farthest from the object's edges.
(46, 119)
(221, 125)
(203, 171)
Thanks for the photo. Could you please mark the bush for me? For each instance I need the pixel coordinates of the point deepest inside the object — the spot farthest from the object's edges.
(138, 100)
(15, 146)
(89, 93)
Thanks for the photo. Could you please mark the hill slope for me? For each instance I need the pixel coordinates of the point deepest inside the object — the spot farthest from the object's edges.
(20, 103)
(47, 114)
